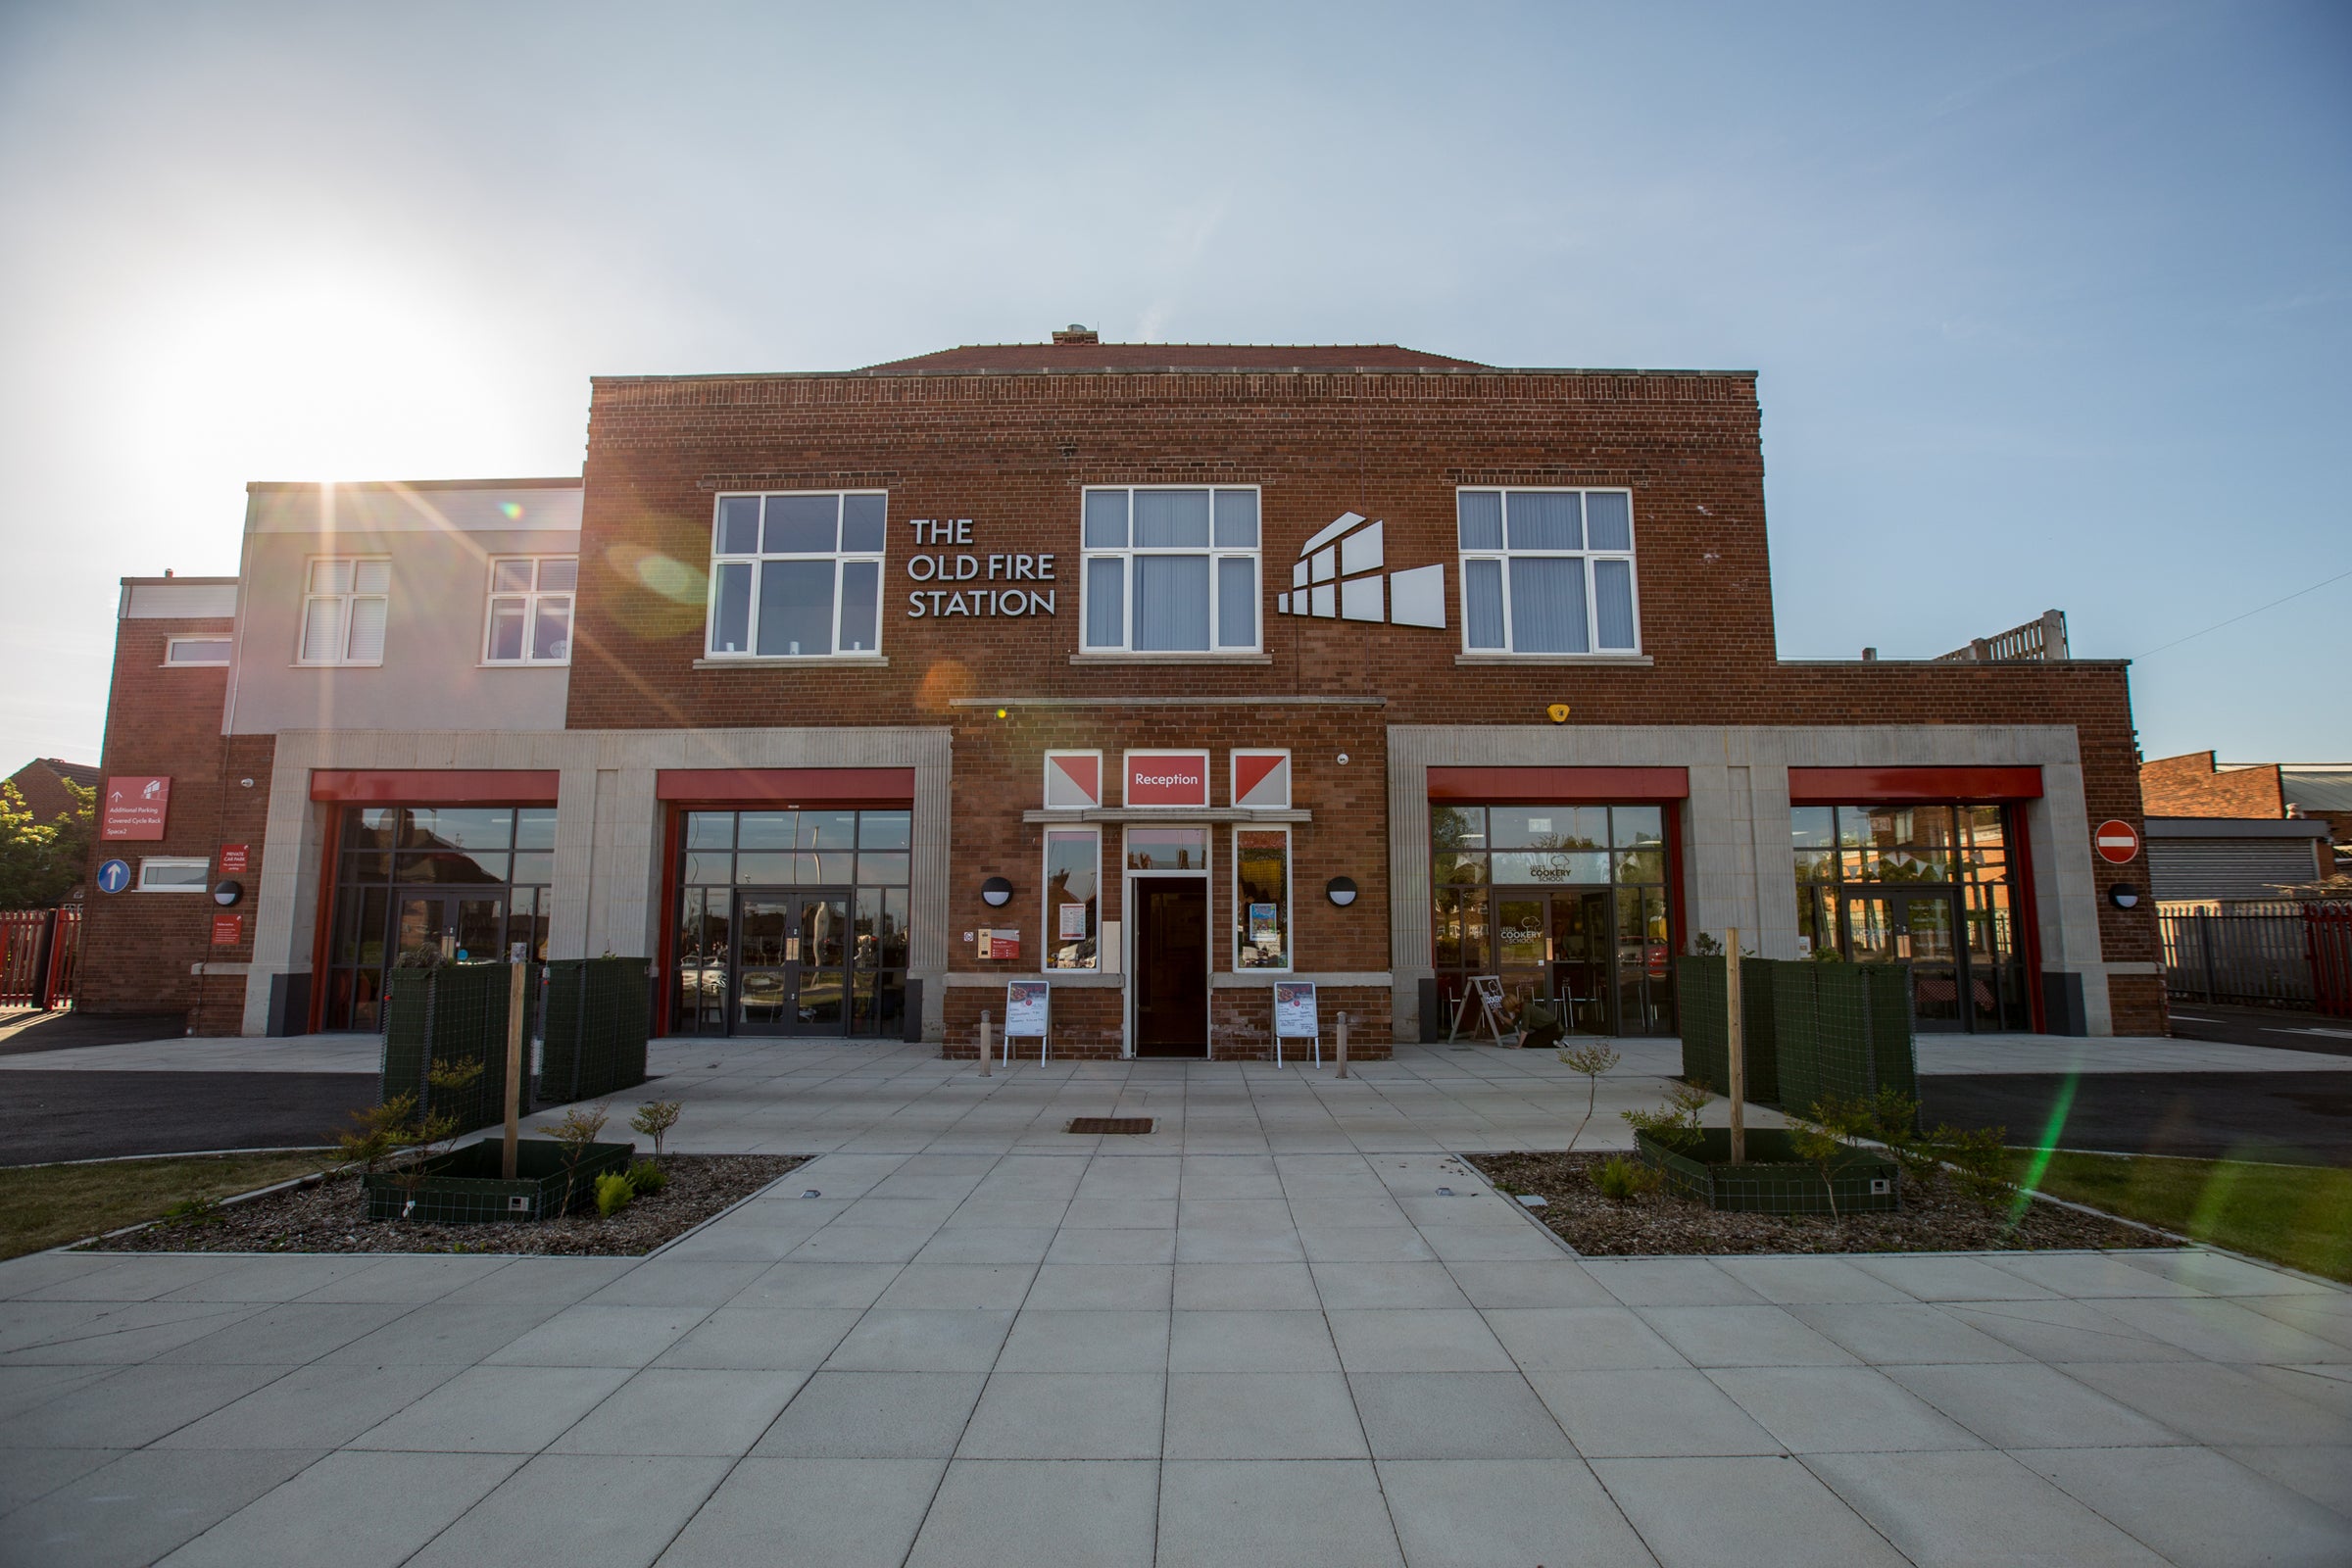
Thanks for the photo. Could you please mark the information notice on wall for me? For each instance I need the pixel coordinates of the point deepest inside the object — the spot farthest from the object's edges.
(1027, 1007)
(1294, 1010)
(1073, 922)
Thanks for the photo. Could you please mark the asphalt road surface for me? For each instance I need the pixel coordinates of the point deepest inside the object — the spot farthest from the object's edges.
(2272, 1027)
(2302, 1118)
(97, 1115)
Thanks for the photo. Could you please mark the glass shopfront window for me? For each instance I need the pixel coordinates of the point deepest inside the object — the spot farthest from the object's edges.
(1073, 897)
(466, 881)
(793, 922)
(1567, 903)
(1261, 897)
(1930, 887)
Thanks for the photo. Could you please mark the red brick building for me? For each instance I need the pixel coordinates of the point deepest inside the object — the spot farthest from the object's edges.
(1157, 675)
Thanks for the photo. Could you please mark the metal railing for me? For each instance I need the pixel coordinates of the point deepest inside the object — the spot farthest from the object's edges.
(2282, 956)
(2041, 639)
(39, 952)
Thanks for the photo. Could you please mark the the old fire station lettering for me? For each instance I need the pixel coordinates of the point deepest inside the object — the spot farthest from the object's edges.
(937, 601)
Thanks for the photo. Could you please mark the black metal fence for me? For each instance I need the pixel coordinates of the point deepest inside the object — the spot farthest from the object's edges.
(2278, 955)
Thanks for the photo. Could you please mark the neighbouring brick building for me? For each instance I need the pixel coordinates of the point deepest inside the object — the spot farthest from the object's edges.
(1155, 674)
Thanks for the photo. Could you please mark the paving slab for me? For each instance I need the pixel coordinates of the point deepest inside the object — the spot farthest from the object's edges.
(377, 1510)
(875, 1415)
(1476, 1513)
(2198, 1508)
(684, 1411)
(143, 1505)
(571, 1510)
(1974, 1509)
(1757, 1513)
(843, 1514)
(1289, 1514)
(1085, 1514)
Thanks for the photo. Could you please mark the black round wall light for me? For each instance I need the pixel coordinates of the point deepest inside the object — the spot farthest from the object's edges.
(225, 894)
(1341, 890)
(996, 893)
(2123, 896)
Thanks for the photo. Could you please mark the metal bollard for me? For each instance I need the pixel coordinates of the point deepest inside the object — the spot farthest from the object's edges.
(984, 1051)
(1343, 1045)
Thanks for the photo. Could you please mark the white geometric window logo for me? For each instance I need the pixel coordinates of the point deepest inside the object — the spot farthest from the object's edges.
(1337, 577)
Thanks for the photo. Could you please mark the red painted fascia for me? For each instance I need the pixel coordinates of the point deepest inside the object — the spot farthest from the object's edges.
(1911, 786)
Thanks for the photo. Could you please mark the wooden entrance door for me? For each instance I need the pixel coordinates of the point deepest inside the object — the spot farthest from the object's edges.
(1172, 965)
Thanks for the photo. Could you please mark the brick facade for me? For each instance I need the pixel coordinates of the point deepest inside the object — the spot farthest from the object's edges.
(2189, 786)
(140, 950)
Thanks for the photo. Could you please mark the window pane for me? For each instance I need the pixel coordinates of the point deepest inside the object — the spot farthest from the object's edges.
(1106, 520)
(739, 525)
(768, 830)
(330, 577)
(559, 576)
(511, 576)
(800, 524)
(1237, 519)
(881, 869)
(1479, 518)
(197, 651)
(1613, 603)
(372, 578)
(537, 869)
(1237, 601)
(1546, 520)
(367, 630)
(1482, 601)
(1105, 602)
(765, 869)
(459, 827)
(551, 634)
(1458, 827)
(1073, 900)
(861, 583)
(1171, 600)
(1171, 520)
(861, 523)
(709, 830)
(1609, 516)
(796, 606)
(731, 631)
(506, 628)
(1637, 827)
(1263, 897)
(1549, 827)
(535, 827)
(322, 629)
(884, 830)
(1809, 828)
(1538, 868)
(828, 830)
(1466, 866)
(1547, 605)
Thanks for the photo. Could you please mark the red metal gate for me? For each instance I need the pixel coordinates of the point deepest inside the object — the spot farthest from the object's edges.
(2328, 940)
(39, 952)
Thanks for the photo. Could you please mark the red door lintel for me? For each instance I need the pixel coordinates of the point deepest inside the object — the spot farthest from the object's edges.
(1911, 786)
(1559, 785)
(794, 786)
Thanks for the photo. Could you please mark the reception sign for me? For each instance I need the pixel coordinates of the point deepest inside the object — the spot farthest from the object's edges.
(1167, 778)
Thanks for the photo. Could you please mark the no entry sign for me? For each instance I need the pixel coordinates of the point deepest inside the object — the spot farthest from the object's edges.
(2117, 841)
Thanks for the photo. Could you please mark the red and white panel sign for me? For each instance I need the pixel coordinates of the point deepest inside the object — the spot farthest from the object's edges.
(134, 808)
(2117, 841)
(1073, 779)
(228, 930)
(1167, 778)
(236, 859)
(1262, 779)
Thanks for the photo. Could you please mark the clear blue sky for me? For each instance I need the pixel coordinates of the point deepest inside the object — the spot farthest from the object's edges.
(2052, 304)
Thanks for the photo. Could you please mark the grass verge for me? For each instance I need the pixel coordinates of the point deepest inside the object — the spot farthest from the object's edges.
(49, 1206)
(2299, 1215)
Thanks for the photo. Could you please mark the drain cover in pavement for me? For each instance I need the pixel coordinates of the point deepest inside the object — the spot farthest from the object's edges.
(1111, 1125)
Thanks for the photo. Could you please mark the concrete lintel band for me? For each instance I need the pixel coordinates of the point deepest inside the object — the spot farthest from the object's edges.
(1738, 868)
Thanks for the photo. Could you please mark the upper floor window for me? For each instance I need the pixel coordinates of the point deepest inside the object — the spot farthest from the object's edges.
(343, 609)
(1548, 572)
(530, 609)
(196, 651)
(1171, 571)
(797, 575)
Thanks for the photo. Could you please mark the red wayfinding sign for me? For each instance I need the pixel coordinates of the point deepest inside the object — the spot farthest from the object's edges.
(134, 806)
(2117, 841)
(236, 859)
(228, 930)
(1167, 778)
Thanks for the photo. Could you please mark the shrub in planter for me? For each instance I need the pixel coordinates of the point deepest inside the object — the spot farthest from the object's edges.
(648, 1178)
(1623, 1179)
(614, 1191)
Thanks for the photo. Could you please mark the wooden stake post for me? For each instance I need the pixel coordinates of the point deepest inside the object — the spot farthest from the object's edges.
(515, 1046)
(1736, 1043)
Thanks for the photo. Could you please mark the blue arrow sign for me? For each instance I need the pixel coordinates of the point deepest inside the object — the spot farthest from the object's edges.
(114, 876)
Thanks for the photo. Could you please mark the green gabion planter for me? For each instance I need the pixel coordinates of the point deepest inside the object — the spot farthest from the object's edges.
(454, 1013)
(1845, 1032)
(464, 1187)
(1703, 1012)
(598, 1010)
(1774, 1181)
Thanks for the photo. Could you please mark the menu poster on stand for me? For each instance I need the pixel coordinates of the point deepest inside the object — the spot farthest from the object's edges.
(1027, 1005)
(1294, 1010)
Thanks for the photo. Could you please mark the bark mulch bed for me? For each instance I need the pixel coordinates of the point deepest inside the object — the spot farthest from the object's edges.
(1936, 1218)
(326, 1214)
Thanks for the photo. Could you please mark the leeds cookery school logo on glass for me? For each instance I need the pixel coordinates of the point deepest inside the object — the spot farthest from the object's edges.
(1338, 577)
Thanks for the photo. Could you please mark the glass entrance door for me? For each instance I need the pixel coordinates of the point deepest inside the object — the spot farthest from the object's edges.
(791, 962)
(1916, 930)
(1563, 944)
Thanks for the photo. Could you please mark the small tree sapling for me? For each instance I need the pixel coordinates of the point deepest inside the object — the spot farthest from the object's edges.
(1592, 1060)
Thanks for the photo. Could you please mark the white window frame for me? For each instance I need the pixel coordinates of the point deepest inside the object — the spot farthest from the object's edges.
(173, 645)
(1128, 554)
(1586, 556)
(1049, 937)
(1241, 911)
(839, 557)
(200, 864)
(530, 599)
(348, 597)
